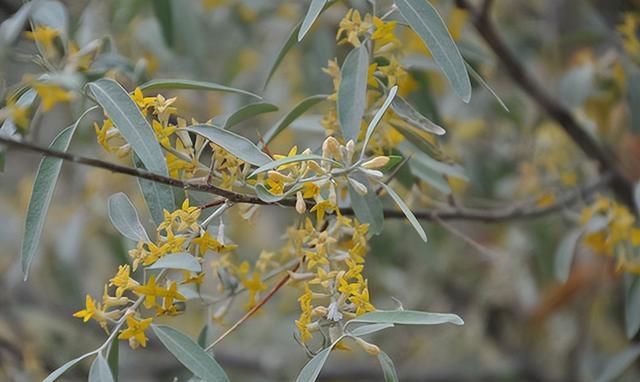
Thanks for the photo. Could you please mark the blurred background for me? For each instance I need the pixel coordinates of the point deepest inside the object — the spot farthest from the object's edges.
(520, 323)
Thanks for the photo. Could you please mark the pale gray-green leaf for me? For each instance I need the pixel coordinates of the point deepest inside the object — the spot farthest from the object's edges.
(565, 253)
(407, 113)
(192, 85)
(618, 364)
(158, 197)
(636, 195)
(12, 27)
(311, 370)
(406, 210)
(315, 9)
(434, 178)
(235, 144)
(377, 117)
(124, 217)
(288, 44)
(352, 93)
(427, 23)
(192, 356)
(631, 304)
(408, 317)
(484, 84)
(369, 329)
(183, 261)
(368, 207)
(388, 368)
(244, 113)
(43, 187)
(52, 14)
(99, 371)
(133, 126)
(59, 371)
(297, 111)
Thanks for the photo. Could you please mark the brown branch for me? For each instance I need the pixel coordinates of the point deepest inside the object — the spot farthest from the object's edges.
(257, 306)
(620, 185)
(510, 213)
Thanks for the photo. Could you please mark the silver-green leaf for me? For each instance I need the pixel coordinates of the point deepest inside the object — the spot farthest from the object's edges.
(192, 356)
(618, 364)
(368, 207)
(311, 370)
(427, 23)
(369, 329)
(631, 304)
(133, 126)
(407, 113)
(100, 371)
(408, 317)
(43, 187)
(288, 44)
(377, 117)
(297, 111)
(59, 371)
(315, 9)
(565, 253)
(124, 217)
(248, 111)
(388, 368)
(192, 85)
(183, 261)
(235, 144)
(406, 210)
(352, 93)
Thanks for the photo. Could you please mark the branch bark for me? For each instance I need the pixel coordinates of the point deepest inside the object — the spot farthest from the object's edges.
(510, 213)
(620, 185)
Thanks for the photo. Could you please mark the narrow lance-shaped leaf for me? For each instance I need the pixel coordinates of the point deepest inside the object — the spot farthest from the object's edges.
(192, 356)
(369, 329)
(311, 370)
(565, 254)
(631, 304)
(315, 9)
(133, 126)
(427, 23)
(377, 117)
(59, 371)
(297, 111)
(388, 368)
(158, 197)
(244, 113)
(409, 317)
(183, 261)
(113, 358)
(124, 217)
(407, 113)
(235, 144)
(618, 364)
(352, 92)
(99, 371)
(484, 84)
(43, 187)
(192, 85)
(406, 210)
(368, 207)
(290, 42)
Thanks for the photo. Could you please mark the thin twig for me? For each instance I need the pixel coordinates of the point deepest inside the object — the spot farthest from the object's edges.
(256, 307)
(620, 185)
(498, 215)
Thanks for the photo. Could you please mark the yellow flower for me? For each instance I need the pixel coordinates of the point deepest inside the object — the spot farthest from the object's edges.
(394, 72)
(629, 31)
(18, 114)
(163, 132)
(383, 34)
(51, 94)
(142, 101)
(305, 316)
(135, 332)
(110, 302)
(45, 36)
(206, 242)
(95, 311)
(122, 281)
(352, 27)
(254, 286)
(321, 208)
(151, 290)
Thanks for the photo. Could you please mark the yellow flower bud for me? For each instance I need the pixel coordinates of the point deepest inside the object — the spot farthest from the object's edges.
(331, 148)
(301, 206)
(376, 162)
(369, 348)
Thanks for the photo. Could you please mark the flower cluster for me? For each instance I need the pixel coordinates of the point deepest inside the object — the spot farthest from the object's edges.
(611, 231)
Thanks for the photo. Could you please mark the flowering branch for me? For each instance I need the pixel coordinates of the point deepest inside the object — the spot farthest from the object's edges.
(509, 213)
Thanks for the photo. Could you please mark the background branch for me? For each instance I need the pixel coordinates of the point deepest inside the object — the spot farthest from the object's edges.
(620, 185)
(514, 212)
